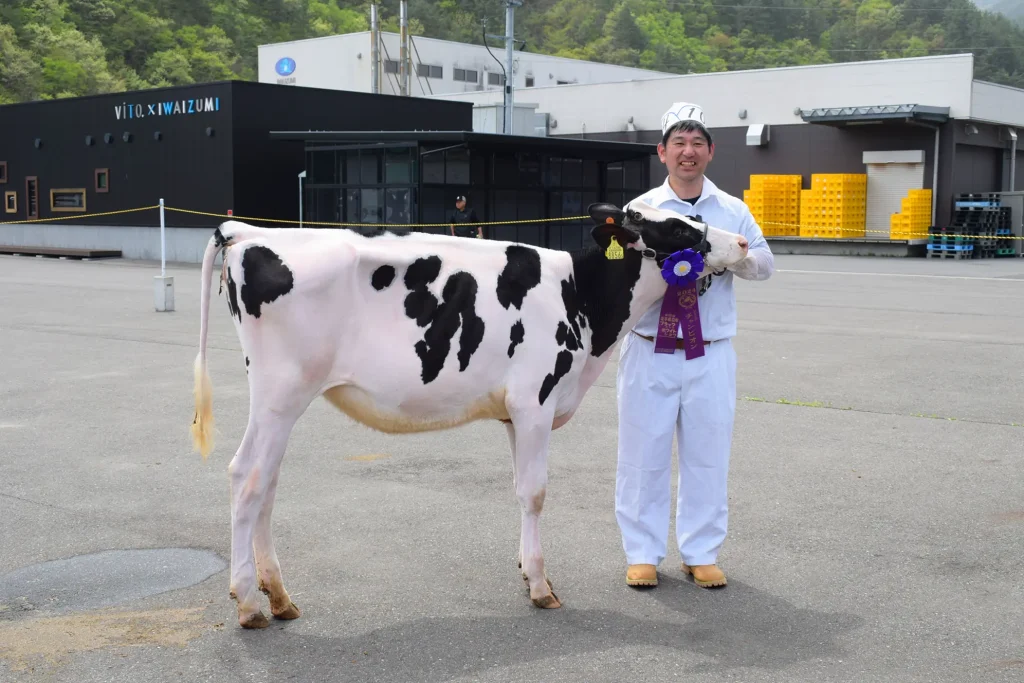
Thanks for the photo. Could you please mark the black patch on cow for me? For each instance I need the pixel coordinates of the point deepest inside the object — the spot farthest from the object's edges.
(517, 335)
(266, 278)
(218, 238)
(458, 307)
(233, 298)
(521, 274)
(563, 363)
(600, 294)
(567, 337)
(380, 232)
(247, 361)
(420, 304)
(382, 277)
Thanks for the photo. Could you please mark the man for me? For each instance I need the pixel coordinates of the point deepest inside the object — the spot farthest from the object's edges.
(662, 395)
(461, 217)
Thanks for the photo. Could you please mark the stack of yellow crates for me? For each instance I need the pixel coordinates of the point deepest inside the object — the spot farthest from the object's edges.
(835, 206)
(774, 200)
(914, 217)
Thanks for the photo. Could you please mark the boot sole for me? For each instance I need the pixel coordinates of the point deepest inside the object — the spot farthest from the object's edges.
(641, 582)
(704, 584)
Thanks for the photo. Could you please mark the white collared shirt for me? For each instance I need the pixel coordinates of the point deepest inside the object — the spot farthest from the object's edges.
(721, 210)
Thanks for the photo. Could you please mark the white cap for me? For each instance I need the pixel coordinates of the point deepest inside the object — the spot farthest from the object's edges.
(682, 111)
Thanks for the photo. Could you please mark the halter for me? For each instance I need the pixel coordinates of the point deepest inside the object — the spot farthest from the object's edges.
(701, 248)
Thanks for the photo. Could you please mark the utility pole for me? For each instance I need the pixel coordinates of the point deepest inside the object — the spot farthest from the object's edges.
(510, 39)
(403, 22)
(374, 49)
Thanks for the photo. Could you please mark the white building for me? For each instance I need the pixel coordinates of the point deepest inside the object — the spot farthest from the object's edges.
(439, 67)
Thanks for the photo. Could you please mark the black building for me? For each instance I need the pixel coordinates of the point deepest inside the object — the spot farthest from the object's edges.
(203, 148)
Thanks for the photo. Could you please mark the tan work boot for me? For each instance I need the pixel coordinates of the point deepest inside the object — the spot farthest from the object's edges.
(641, 575)
(705, 575)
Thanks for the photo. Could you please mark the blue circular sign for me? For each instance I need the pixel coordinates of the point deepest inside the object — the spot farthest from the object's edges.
(285, 66)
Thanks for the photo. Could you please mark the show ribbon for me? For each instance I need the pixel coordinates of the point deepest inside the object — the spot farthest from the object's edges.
(679, 306)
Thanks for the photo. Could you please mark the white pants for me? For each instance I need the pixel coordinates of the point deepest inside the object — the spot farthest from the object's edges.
(661, 396)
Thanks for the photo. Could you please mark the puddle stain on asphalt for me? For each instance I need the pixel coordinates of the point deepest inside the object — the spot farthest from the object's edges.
(50, 641)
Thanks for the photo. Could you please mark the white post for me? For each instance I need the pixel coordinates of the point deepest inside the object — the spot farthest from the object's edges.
(163, 286)
(163, 240)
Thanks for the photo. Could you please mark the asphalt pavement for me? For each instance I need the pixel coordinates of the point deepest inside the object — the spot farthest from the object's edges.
(876, 502)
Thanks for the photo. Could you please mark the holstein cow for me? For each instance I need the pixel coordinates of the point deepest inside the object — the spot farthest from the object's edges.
(419, 332)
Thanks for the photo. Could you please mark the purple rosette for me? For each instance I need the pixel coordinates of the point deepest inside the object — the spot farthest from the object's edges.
(679, 307)
(682, 267)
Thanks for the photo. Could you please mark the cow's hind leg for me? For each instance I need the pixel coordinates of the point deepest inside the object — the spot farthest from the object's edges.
(531, 437)
(268, 569)
(251, 473)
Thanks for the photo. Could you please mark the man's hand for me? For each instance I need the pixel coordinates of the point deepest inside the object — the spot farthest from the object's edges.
(759, 264)
(749, 268)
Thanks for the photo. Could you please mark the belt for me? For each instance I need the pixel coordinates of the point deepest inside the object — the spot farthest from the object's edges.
(679, 342)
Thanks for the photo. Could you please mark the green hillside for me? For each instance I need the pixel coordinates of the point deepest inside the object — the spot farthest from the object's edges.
(60, 48)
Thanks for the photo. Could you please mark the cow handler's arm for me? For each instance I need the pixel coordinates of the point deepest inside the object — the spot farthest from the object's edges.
(759, 263)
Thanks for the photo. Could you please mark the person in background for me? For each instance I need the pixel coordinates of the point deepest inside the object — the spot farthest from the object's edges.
(665, 395)
(462, 220)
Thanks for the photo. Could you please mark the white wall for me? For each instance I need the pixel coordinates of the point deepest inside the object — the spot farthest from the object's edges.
(343, 62)
(768, 95)
(997, 104)
(183, 245)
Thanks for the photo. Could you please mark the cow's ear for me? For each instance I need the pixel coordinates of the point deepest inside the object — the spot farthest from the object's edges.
(608, 222)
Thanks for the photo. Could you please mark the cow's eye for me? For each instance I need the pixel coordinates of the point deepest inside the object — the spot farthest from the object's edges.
(677, 233)
(635, 216)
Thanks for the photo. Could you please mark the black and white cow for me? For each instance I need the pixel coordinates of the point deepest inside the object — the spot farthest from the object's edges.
(418, 332)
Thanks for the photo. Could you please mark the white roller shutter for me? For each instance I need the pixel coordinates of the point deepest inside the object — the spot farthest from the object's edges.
(891, 176)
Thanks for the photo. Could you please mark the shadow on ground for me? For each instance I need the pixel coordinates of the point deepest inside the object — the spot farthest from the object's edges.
(736, 627)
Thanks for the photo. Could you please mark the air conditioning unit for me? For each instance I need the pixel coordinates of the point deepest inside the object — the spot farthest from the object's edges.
(757, 135)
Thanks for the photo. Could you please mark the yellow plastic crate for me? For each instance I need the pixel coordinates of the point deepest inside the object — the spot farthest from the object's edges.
(774, 201)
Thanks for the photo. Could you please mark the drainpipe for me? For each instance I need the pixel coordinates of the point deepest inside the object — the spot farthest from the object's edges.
(935, 177)
(935, 166)
(1013, 159)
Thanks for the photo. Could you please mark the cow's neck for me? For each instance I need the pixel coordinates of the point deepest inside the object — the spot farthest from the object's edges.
(613, 294)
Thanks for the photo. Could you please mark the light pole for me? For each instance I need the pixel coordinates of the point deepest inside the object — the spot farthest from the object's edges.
(301, 177)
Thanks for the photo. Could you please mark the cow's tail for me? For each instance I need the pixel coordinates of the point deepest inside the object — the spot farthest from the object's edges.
(202, 422)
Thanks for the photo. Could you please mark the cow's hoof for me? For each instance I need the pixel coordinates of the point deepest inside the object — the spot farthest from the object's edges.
(256, 620)
(549, 601)
(289, 612)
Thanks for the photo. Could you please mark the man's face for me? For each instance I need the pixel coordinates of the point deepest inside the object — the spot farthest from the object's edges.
(460, 205)
(686, 155)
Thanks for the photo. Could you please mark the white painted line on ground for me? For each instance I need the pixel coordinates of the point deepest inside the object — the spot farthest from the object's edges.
(1009, 278)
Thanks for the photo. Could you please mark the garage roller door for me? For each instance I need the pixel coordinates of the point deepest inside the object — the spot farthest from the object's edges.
(891, 176)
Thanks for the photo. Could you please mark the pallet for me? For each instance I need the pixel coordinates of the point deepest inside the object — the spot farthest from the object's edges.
(956, 255)
(61, 252)
(951, 247)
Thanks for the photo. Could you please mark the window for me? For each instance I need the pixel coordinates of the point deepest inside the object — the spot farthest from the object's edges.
(429, 71)
(495, 79)
(465, 75)
(529, 81)
(32, 197)
(11, 202)
(103, 180)
(3, 171)
(390, 66)
(67, 199)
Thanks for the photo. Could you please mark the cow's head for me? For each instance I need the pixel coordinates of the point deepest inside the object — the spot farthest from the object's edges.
(658, 233)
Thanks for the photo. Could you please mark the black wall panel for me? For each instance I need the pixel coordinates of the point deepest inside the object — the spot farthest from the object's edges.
(185, 166)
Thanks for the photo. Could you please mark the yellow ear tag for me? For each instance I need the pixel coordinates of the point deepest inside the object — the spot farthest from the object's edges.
(614, 251)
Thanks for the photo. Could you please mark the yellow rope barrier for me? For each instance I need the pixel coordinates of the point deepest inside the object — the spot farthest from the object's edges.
(765, 224)
(887, 233)
(375, 225)
(79, 215)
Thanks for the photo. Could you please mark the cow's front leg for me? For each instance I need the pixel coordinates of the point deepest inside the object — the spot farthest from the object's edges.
(531, 436)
